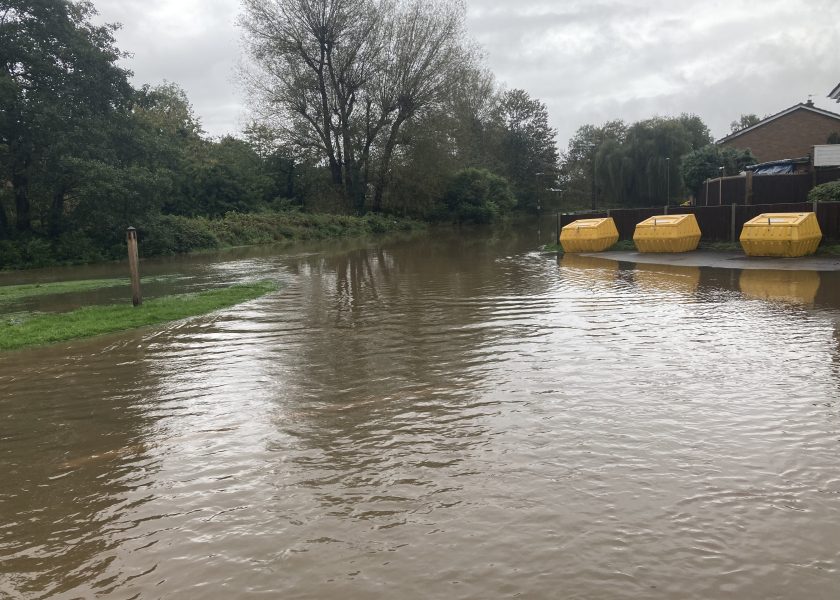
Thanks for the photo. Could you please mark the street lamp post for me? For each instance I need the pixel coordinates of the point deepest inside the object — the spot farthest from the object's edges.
(594, 189)
(720, 186)
(539, 189)
(557, 214)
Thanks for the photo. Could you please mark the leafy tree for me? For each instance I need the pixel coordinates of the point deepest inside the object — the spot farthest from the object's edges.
(478, 196)
(704, 163)
(347, 75)
(577, 164)
(59, 85)
(629, 165)
(528, 146)
(743, 122)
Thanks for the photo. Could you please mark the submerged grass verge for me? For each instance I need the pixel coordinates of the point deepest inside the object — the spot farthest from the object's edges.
(11, 293)
(38, 329)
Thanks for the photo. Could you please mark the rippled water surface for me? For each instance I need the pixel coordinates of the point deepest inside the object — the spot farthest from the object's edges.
(449, 417)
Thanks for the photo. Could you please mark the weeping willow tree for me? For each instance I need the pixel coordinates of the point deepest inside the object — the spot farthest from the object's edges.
(633, 166)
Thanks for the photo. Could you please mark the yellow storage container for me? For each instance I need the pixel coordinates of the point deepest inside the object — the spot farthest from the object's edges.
(589, 235)
(667, 233)
(781, 234)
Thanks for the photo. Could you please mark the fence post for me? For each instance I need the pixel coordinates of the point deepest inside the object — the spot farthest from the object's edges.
(134, 266)
(748, 188)
(733, 225)
(666, 210)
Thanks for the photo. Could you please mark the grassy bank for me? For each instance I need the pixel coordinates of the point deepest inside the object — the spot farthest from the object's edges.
(20, 331)
(165, 235)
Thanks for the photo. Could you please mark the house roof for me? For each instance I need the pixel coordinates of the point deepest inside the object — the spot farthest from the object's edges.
(778, 115)
(835, 93)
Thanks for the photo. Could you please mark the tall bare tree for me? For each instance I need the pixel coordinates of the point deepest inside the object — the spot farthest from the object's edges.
(342, 77)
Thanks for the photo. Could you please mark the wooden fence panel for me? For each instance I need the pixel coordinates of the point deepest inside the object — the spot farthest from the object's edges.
(781, 189)
(827, 175)
(716, 221)
(626, 219)
(828, 215)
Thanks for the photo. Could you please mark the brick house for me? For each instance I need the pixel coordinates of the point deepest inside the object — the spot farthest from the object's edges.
(787, 134)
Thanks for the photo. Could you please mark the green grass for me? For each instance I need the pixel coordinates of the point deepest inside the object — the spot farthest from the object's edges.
(22, 330)
(720, 246)
(11, 293)
(832, 249)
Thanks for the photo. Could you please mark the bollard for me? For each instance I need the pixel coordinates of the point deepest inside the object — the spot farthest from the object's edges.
(134, 266)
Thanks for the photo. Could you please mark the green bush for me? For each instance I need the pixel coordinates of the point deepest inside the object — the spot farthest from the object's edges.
(827, 192)
(38, 252)
(172, 234)
(77, 247)
(10, 255)
(478, 196)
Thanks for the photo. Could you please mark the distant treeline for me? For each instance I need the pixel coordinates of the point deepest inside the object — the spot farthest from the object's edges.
(396, 115)
(357, 107)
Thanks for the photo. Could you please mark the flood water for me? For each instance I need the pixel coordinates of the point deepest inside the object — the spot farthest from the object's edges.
(454, 416)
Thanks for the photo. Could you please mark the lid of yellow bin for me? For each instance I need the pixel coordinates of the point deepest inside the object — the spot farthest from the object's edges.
(777, 219)
(659, 220)
(585, 223)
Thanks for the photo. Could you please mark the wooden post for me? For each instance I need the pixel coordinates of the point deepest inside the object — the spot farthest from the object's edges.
(733, 225)
(134, 266)
(748, 187)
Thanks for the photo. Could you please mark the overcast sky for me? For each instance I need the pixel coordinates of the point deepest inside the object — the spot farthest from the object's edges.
(589, 61)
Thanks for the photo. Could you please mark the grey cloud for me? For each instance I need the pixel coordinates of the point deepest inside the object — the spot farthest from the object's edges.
(588, 61)
(632, 60)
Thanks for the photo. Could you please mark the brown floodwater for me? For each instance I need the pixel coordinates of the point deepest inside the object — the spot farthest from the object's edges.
(453, 416)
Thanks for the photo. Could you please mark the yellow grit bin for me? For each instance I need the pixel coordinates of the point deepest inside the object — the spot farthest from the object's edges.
(589, 235)
(781, 234)
(667, 233)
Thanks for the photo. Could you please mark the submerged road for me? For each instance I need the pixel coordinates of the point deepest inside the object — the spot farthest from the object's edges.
(724, 260)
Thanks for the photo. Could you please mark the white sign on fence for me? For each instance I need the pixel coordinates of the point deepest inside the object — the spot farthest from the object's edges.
(827, 155)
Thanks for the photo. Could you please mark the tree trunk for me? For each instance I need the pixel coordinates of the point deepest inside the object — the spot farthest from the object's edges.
(57, 212)
(20, 183)
(385, 166)
(4, 221)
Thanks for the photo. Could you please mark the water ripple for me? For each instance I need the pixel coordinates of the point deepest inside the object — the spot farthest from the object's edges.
(438, 421)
